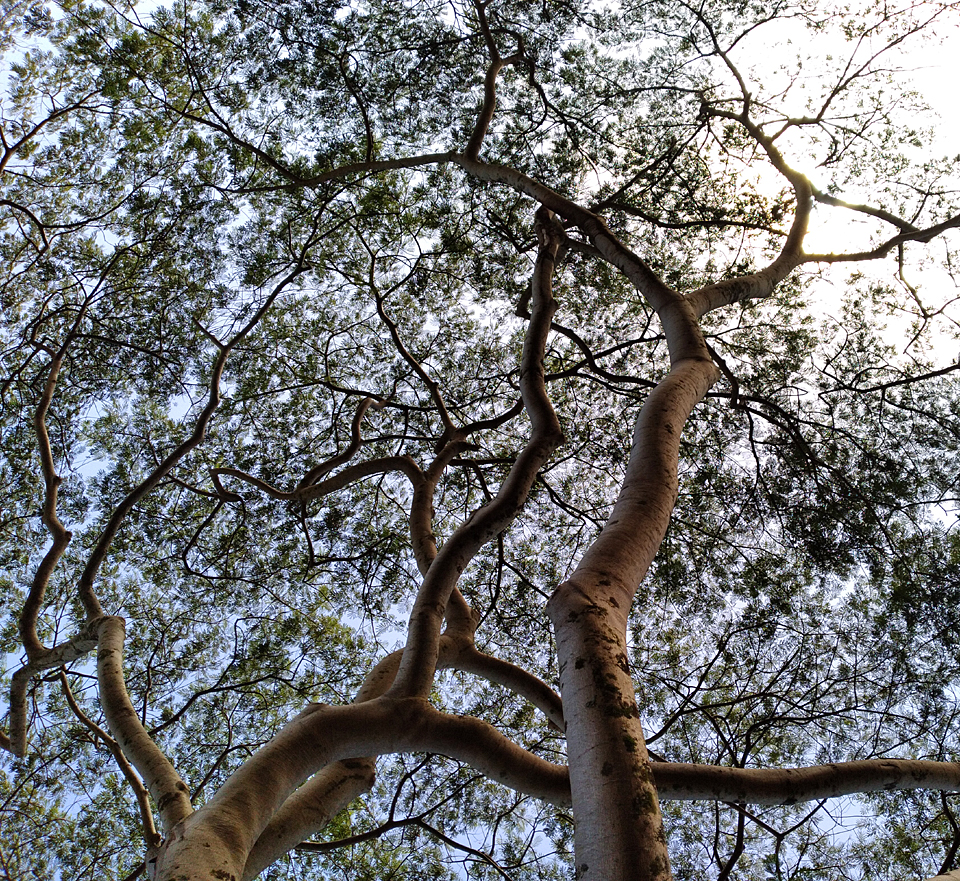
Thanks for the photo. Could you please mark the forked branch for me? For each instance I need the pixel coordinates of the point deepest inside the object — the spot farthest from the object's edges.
(415, 676)
(150, 833)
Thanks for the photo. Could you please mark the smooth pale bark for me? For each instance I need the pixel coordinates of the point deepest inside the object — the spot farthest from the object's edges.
(619, 830)
(422, 538)
(213, 839)
(312, 806)
(58, 656)
(515, 678)
(786, 786)
(216, 840)
(169, 792)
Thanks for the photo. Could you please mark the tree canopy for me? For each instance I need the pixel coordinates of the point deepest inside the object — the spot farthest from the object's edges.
(478, 438)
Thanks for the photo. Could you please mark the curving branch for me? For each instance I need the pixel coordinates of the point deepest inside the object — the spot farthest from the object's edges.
(590, 359)
(869, 210)
(761, 284)
(219, 836)
(63, 653)
(355, 440)
(497, 63)
(432, 385)
(11, 149)
(311, 807)
(390, 825)
(514, 678)
(168, 790)
(421, 507)
(36, 222)
(41, 658)
(59, 533)
(303, 492)
(150, 834)
(415, 675)
(309, 810)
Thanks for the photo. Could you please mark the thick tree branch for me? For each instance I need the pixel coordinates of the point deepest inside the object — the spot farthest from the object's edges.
(61, 654)
(497, 63)
(421, 507)
(220, 836)
(309, 810)
(168, 790)
(787, 786)
(514, 678)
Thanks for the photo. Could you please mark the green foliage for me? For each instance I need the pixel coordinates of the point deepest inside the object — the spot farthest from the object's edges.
(163, 184)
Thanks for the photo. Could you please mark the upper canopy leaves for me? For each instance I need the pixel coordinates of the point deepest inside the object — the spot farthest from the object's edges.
(275, 203)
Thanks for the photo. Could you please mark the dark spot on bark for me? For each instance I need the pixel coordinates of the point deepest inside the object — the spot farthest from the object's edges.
(644, 803)
(622, 710)
(224, 876)
(168, 798)
(630, 743)
(614, 603)
(579, 663)
(658, 868)
(607, 769)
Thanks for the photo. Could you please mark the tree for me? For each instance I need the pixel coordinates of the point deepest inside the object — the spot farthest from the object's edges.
(326, 326)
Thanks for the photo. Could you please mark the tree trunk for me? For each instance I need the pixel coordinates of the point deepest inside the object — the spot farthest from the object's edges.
(619, 831)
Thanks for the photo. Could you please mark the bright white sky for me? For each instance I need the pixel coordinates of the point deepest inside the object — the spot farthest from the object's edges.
(932, 68)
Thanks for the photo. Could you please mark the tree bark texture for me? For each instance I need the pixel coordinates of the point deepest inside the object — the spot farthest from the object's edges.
(619, 830)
